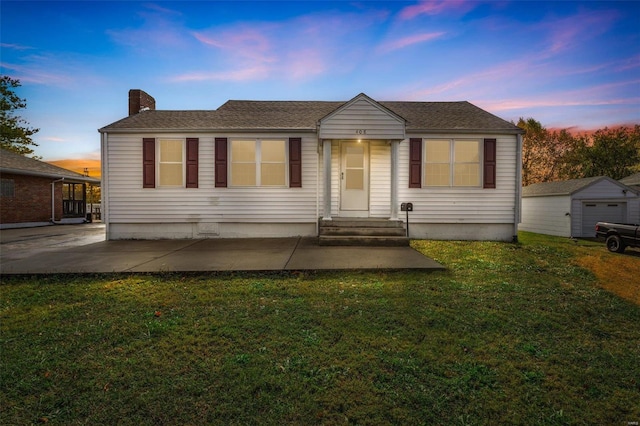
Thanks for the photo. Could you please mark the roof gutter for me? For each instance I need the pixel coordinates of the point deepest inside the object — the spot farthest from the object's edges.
(467, 131)
(211, 130)
(79, 179)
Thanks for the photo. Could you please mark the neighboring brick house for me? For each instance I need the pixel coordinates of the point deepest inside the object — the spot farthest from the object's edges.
(37, 193)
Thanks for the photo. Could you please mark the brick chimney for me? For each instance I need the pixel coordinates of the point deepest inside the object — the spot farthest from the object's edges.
(139, 100)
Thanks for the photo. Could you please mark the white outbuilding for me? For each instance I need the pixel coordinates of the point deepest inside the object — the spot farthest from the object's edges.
(572, 208)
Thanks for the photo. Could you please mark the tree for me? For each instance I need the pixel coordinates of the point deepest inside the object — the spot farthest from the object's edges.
(15, 135)
(543, 152)
(608, 152)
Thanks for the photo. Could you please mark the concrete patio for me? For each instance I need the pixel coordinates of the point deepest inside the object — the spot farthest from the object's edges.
(82, 249)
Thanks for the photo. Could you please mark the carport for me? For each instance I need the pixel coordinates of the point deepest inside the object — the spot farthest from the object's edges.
(571, 208)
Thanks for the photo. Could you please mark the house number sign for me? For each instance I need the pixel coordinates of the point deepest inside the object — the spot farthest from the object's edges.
(361, 131)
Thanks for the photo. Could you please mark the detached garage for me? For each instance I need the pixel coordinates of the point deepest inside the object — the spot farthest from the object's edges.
(571, 208)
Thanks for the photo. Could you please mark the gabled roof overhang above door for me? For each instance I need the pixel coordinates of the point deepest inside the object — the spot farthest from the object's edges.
(362, 118)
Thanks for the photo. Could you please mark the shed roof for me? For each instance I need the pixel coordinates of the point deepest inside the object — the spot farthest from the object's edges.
(566, 187)
(10, 162)
(631, 180)
(304, 115)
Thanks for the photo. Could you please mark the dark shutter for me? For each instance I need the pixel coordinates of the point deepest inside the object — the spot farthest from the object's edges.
(415, 163)
(192, 162)
(221, 162)
(489, 163)
(295, 162)
(148, 163)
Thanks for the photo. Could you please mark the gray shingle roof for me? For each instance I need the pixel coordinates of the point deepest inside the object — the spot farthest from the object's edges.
(304, 115)
(566, 187)
(631, 180)
(10, 162)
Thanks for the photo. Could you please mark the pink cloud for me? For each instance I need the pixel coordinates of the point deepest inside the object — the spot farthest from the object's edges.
(563, 34)
(600, 95)
(408, 41)
(247, 43)
(436, 7)
(247, 74)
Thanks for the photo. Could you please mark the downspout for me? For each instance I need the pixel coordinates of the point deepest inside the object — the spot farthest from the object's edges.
(317, 218)
(104, 187)
(53, 201)
(518, 196)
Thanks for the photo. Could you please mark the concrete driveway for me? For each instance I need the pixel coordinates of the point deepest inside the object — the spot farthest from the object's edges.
(83, 249)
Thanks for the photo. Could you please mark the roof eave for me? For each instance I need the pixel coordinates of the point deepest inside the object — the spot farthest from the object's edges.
(73, 179)
(211, 130)
(554, 194)
(472, 131)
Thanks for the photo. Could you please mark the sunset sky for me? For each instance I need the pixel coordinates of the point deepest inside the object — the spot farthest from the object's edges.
(567, 64)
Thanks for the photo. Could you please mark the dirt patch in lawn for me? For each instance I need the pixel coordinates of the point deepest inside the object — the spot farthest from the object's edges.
(619, 276)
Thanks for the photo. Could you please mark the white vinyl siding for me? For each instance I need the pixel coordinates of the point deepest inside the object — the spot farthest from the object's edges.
(380, 180)
(362, 119)
(127, 202)
(547, 215)
(459, 205)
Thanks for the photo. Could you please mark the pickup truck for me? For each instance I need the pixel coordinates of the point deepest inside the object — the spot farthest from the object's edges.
(618, 236)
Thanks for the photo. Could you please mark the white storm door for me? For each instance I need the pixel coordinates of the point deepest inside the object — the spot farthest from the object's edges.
(354, 178)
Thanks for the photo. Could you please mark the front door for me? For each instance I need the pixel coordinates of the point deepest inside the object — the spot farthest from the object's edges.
(354, 179)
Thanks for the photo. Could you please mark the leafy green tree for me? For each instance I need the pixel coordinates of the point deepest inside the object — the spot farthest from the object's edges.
(608, 152)
(15, 135)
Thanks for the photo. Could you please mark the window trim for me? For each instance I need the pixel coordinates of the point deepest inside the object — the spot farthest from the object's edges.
(258, 162)
(159, 162)
(452, 163)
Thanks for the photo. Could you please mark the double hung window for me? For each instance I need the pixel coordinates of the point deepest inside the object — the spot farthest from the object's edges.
(258, 162)
(452, 162)
(171, 164)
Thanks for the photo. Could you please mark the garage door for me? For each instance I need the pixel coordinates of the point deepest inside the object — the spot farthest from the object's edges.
(601, 212)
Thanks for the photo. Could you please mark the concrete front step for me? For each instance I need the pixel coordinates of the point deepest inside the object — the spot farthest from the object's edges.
(362, 232)
(372, 241)
(361, 223)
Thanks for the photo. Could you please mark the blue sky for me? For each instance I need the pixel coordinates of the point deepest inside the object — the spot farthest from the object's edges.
(567, 64)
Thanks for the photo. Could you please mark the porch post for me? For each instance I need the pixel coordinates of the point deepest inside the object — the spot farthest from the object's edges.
(326, 172)
(394, 179)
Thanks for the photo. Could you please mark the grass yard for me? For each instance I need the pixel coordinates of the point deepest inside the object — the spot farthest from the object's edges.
(528, 333)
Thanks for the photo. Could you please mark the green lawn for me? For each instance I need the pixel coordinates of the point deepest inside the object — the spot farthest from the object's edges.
(510, 333)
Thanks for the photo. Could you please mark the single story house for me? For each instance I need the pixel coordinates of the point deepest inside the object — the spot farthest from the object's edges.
(572, 208)
(633, 181)
(36, 193)
(287, 168)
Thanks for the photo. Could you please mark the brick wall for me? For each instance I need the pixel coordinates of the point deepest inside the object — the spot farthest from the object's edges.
(31, 201)
(139, 99)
